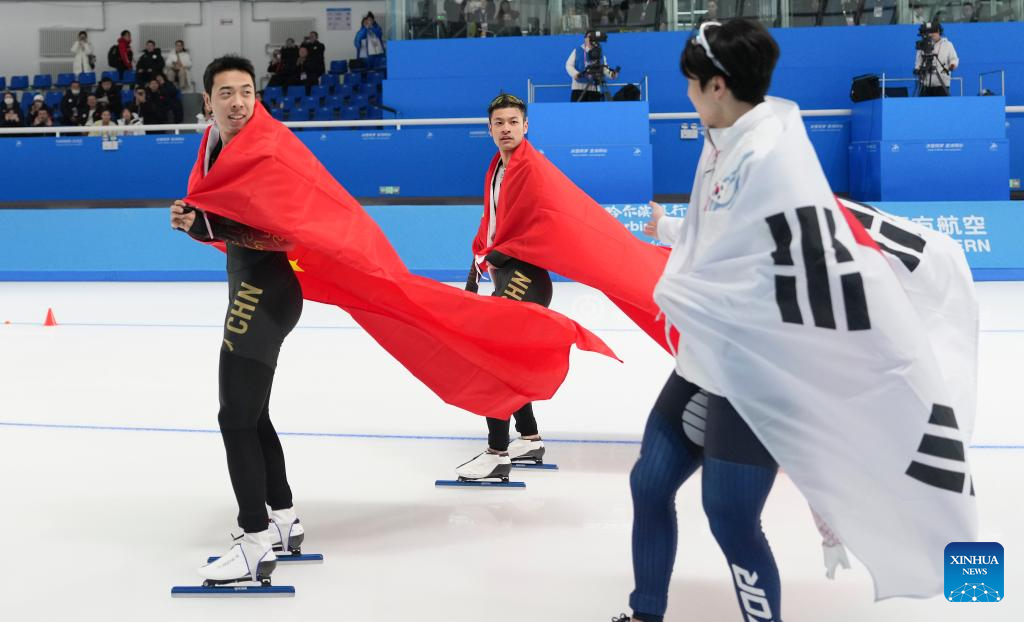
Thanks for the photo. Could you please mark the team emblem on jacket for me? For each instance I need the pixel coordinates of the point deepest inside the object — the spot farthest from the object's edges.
(725, 189)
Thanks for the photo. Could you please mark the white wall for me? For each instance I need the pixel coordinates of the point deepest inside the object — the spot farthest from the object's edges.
(227, 27)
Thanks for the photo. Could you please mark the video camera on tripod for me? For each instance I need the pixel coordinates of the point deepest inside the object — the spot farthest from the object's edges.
(595, 67)
(926, 46)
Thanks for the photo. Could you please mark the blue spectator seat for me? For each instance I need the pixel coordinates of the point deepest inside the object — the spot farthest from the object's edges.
(26, 100)
(53, 99)
(360, 100)
(110, 74)
(339, 67)
(129, 77)
(353, 79)
(319, 92)
(300, 113)
(273, 92)
(310, 102)
(64, 80)
(277, 113)
(375, 61)
(127, 97)
(374, 112)
(335, 102)
(19, 83)
(350, 113)
(42, 81)
(323, 114)
(329, 80)
(344, 91)
(88, 78)
(3, 83)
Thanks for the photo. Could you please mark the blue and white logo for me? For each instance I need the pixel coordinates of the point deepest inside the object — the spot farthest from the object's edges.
(974, 572)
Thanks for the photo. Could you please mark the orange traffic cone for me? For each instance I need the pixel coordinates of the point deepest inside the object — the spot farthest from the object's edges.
(50, 320)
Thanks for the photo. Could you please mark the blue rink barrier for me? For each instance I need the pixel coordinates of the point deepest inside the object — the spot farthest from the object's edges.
(127, 244)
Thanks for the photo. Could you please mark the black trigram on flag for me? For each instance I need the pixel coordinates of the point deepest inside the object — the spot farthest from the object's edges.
(937, 449)
(813, 248)
(905, 246)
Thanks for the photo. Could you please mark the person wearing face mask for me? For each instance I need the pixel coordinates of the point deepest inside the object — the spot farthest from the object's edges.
(11, 111)
(85, 59)
(73, 105)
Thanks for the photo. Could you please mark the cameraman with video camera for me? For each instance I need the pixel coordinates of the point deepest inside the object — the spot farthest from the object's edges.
(589, 69)
(935, 61)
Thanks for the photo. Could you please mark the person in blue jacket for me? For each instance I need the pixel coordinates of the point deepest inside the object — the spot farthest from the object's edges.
(370, 38)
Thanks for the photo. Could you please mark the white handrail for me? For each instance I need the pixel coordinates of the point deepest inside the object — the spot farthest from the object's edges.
(398, 123)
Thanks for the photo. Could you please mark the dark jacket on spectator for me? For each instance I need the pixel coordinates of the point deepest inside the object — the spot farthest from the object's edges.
(150, 64)
(316, 63)
(289, 55)
(113, 98)
(72, 108)
(149, 111)
(169, 93)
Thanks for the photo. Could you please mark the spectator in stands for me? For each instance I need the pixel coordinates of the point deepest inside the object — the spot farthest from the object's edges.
(934, 80)
(85, 59)
(604, 13)
(281, 73)
(967, 13)
(917, 13)
(124, 60)
(130, 118)
(171, 97)
(370, 38)
(304, 73)
(290, 52)
(710, 12)
(455, 13)
(205, 118)
(42, 118)
(38, 103)
(73, 105)
(11, 111)
(91, 112)
(178, 64)
(508, 19)
(109, 95)
(584, 89)
(479, 14)
(146, 110)
(104, 120)
(161, 108)
(316, 52)
(151, 62)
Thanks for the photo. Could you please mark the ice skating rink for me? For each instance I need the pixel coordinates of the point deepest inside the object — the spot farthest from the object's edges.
(114, 486)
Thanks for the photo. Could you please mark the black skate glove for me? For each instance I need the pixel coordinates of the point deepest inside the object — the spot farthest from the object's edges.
(497, 259)
(473, 277)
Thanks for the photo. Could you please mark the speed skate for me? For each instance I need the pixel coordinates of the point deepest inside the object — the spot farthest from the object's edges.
(486, 470)
(244, 570)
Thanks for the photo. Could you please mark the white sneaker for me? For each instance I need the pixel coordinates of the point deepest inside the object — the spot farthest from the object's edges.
(485, 466)
(251, 558)
(285, 527)
(523, 450)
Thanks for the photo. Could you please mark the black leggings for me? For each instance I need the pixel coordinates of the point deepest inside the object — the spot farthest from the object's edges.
(518, 280)
(266, 302)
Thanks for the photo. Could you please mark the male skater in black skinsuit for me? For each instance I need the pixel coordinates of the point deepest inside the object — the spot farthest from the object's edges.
(265, 301)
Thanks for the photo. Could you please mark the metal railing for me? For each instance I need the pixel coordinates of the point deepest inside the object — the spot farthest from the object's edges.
(190, 128)
(531, 88)
(884, 80)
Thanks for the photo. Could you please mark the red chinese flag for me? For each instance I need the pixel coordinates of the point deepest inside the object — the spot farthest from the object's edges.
(484, 354)
(545, 220)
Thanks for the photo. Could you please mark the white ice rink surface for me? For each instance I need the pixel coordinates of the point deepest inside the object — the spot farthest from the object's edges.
(113, 486)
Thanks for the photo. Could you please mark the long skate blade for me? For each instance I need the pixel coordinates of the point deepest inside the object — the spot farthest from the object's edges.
(454, 483)
(309, 558)
(193, 591)
(534, 465)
